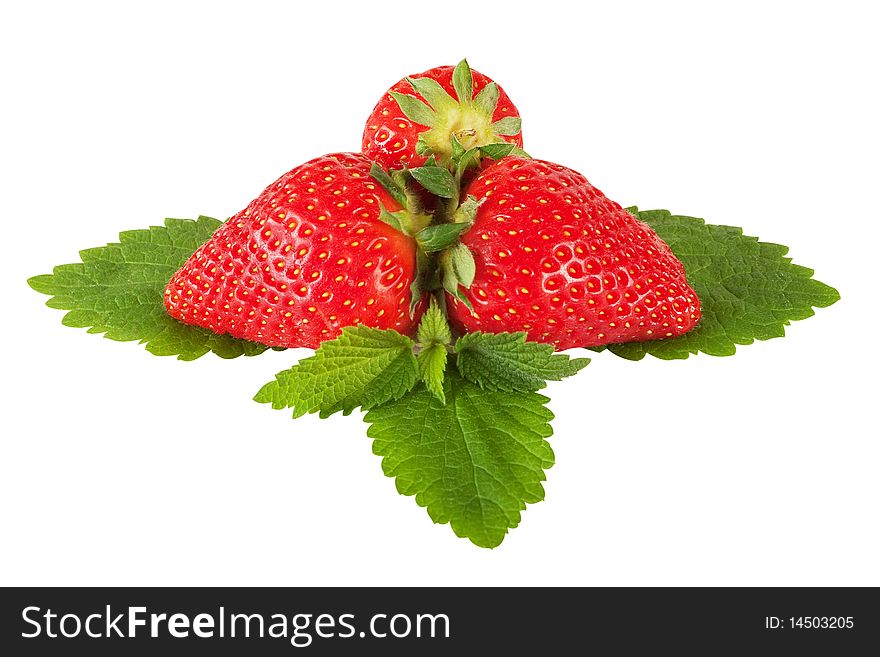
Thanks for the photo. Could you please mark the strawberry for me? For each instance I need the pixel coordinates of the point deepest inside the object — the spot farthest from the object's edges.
(307, 257)
(557, 259)
(403, 130)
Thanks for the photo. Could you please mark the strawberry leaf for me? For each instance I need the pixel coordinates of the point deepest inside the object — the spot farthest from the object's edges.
(433, 334)
(432, 366)
(118, 290)
(748, 290)
(506, 362)
(474, 462)
(433, 327)
(362, 367)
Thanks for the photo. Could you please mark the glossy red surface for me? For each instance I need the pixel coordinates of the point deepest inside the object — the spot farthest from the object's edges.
(557, 259)
(307, 257)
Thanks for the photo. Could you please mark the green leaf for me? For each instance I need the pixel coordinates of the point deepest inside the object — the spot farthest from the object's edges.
(381, 176)
(436, 180)
(474, 462)
(468, 158)
(432, 366)
(463, 264)
(451, 281)
(463, 82)
(457, 148)
(393, 219)
(506, 362)
(415, 110)
(431, 91)
(439, 236)
(509, 125)
(118, 290)
(362, 367)
(422, 147)
(433, 327)
(487, 98)
(748, 290)
(467, 211)
(497, 151)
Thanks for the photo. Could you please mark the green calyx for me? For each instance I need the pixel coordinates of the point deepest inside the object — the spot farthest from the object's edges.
(413, 217)
(443, 262)
(466, 119)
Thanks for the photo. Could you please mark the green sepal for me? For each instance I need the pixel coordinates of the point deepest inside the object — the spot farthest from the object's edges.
(422, 147)
(439, 236)
(497, 151)
(457, 148)
(466, 118)
(393, 219)
(415, 110)
(396, 190)
(463, 82)
(463, 265)
(509, 125)
(463, 160)
(432, 92)
(487, 98)
(436, 180)
(467, 211)
(451, 281)
(468, 159)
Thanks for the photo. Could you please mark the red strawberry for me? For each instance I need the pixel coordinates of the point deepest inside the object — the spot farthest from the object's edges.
(403, 130)
(557, 259)
(307, 257)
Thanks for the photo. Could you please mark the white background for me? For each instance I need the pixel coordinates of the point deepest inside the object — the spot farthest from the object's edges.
(126, 469)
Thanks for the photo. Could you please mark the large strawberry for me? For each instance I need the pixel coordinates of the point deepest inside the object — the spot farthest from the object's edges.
(557, 259)
(403, 130)
(307, 257)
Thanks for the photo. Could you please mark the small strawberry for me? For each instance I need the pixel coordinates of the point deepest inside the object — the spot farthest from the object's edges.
(557, 259)
(403, 130)
(306, 258)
